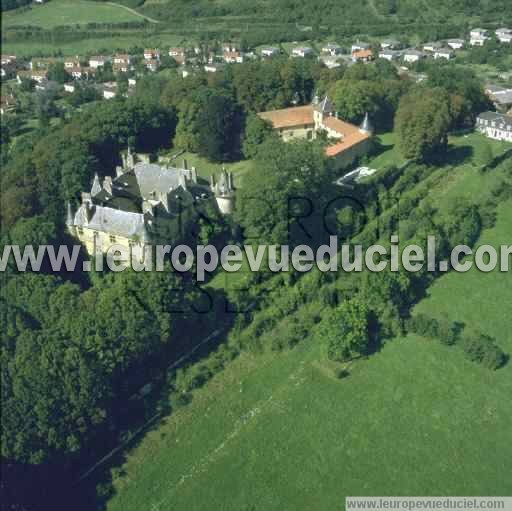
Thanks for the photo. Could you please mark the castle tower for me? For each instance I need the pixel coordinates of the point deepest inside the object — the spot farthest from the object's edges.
(224, 192)
(366, 126)
(96, 186)
(70, 220)
(320, 110)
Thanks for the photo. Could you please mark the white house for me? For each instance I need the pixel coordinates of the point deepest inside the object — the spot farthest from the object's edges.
(478, 36)
(270, 51)
(331, 49)
(495, 126)
(504, 35)
(232, 57)
(412, 56)
(456, 44)
(302, 51)
(8, 59)
(109, 90)
(444, 53)
(69, 87)
(98, 61)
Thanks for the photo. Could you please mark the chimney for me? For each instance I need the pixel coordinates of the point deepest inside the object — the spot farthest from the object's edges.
(194, 175)
(185, 164)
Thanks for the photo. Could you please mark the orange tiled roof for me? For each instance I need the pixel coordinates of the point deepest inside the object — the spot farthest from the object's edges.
(289, 117)
(341, 127)
(362, 54)
(348, 141)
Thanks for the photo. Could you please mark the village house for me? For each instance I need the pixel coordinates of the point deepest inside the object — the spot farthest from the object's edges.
(444, 53)
(69, 87)
(151, 54)
(98, 61)
(270, 51)
(359, 46)
(302, 52)
(332, 49)
(143, 205)
(38, 76)
(432, 46)
(178, 54)
(362, 56)
(76, 72)
(108, 90)
(8, 59)
(495, 125)
(73, 62)
(348, 142)
(504, 35)
(229, 47)
(500, 96)
(412, 56)
(389, 55)
(152, 65)
(232, 57)
(478, 36)
(390, 44)
(456, 44)
(122, 58)
(213, 68)
(121, 63)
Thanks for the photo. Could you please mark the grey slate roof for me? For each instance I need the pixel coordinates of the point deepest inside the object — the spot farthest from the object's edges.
(153, 178)
(502, 121)
(113, 221)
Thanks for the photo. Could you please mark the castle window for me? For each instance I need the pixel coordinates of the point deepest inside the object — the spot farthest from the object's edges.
(112, 238)
(80, 230)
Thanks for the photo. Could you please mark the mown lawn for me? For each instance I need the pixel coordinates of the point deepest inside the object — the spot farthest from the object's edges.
(67, 12)
(279, 432)
(206, 168)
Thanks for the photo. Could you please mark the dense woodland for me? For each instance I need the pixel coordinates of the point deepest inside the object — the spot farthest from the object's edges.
(76, 347)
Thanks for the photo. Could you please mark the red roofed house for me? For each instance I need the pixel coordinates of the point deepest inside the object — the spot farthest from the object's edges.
(362, 55)
(304, 122)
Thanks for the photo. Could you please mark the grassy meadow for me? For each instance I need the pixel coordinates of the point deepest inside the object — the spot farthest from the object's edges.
(280, 432)
(63, 12)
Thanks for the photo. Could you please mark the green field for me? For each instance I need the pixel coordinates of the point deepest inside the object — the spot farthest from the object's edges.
(63, 12)
(279, 432)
